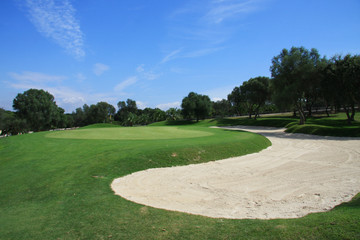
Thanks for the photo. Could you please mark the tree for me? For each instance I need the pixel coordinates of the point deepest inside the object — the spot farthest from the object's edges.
(293, 73)
(254, 93)
(38, 108)
(105, 112)
(341, 83)
(173, 114)
(221, 108)
(196, 106)
(235, 100)
(124, 108)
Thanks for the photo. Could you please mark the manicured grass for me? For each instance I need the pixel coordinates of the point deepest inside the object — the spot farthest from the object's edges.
(336, 125)
(59, 188)
(127, 133)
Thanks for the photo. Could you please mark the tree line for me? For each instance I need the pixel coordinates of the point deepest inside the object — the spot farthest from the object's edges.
(300, 81)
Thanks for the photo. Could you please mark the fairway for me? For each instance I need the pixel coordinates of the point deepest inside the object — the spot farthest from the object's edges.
(135, 133)
(56, 185)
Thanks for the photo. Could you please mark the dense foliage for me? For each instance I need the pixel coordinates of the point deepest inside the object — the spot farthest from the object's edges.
(196, 106)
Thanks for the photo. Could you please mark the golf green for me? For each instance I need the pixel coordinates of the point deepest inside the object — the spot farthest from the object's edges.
(135, 133)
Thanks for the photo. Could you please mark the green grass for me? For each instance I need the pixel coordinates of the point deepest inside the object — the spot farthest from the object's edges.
(336, 125)
(135, 133)
(59, 188)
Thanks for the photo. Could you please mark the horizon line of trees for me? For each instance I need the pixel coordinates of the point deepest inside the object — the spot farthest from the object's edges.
(301, 80)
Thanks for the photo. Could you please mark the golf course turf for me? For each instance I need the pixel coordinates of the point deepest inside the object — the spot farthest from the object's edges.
(56, 185)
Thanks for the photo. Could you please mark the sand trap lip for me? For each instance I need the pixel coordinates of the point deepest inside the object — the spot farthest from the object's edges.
(299, 174)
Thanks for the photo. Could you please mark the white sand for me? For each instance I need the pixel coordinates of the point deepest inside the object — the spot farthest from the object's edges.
(297, 175)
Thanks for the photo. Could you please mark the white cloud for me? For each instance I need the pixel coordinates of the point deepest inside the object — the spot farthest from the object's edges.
(121, 86)
(100, 68)
(171, 56)
(166, 106)
(140, 68)
(220, 93)
(223, 10)
(56, 20)
(141, 105)
(35, 77)
(80, 77)
(202, 52)
(151, 75)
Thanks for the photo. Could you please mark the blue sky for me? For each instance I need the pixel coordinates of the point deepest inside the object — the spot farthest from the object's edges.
(157, 51)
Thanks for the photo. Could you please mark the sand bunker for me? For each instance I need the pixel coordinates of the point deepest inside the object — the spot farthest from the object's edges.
(297, 175)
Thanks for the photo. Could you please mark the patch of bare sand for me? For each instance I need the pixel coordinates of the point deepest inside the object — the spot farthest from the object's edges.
(297, 175)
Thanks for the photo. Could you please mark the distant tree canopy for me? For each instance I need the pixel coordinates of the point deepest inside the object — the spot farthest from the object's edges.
(38, 108)
(196, 106)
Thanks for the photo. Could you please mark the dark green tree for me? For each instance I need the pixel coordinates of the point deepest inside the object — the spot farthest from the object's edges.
(236, 100)
(173, 114)
(38, 108)
(196, 106)
(341, 83)
(293, 73)
(254, 93)
(124, 108)
(221, 108)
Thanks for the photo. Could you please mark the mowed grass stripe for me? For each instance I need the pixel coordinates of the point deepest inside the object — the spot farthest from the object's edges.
(135, 133)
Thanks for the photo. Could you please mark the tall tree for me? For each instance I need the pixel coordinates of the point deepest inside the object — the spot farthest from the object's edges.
(235, 100)
(254, 93)
(221, 108)
(173, 114)
(124, 108)
(196, 106)
(38, 108)
(341, 83)
(292, 71)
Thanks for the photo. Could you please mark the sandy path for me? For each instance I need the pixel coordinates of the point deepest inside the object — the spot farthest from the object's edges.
(297, 175)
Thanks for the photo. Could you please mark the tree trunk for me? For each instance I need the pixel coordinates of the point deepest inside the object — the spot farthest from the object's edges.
(352, 117)
(294, 114)
(326, 110)
(347, 115)
(257, 112)
(301, 113)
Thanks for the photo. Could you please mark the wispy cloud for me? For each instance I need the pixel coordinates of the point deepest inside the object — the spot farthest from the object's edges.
(217, 94)
(178, 54)
(35, 77)
(172, 55)
(80, 77)
(146, 74)
(141, 105)
(128, 82)
(65, 96)
(202, 52)
(223, 10)
(209, 24)
(140, 68)
(166, 106)
(56, 20)
(100, 68)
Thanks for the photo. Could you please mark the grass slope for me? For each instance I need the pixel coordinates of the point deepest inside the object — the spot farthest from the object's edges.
(58, 188)
(336, 125)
